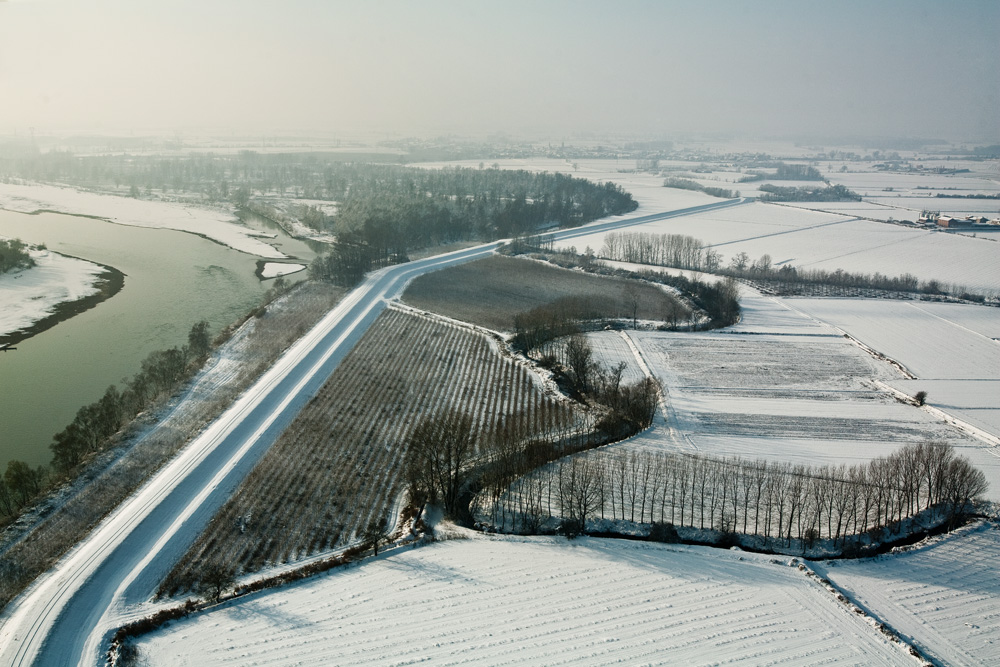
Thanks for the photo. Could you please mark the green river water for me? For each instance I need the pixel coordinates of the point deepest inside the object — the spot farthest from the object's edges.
(172, 280)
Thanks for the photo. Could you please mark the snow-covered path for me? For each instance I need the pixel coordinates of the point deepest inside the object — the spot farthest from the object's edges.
(64, 616)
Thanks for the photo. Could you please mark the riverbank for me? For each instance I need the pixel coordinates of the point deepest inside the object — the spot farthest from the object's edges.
(174, 279)
(217, 225)
(55, 289)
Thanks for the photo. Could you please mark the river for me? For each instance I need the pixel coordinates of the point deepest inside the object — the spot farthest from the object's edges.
(173, 279)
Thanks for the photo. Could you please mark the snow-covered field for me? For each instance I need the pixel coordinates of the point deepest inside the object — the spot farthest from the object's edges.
(953, 350)
(216, 225)
(909, 208)
(943, 596)
(813, 240)
(783, 385)
(30, 295)
(874, 183)
(941, 341)
(489, 600)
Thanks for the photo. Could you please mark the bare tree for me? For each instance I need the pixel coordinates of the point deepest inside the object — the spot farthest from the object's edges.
(579, 492)
(579, 358)
(440, 450)
(374, 534)
(215, 579)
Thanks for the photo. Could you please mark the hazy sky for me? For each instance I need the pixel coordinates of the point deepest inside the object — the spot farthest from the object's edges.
(872, 68)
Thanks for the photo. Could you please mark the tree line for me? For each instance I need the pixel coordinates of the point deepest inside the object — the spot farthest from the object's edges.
(850, 506)
(686, 252)
(389, 211)
(785, 172)
(687, 184)
(777, 193)
(94, 425)
(677, 250)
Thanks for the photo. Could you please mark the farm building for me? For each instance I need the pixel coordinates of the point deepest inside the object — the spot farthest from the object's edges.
(948, 221)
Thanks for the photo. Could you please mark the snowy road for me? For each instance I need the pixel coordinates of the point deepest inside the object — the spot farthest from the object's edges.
(68, 612)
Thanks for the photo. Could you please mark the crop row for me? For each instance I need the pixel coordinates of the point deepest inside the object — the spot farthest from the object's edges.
(340, 463)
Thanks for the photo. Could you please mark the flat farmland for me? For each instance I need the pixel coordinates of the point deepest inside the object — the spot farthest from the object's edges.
(504, 600)
(784, 386)
(340, 462)
(490, 292)
(814, 240)
(933, 341)
(952, 349)
(943, 595)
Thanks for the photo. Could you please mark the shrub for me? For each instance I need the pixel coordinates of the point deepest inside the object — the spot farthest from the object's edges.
(664, 531)
(571, 528)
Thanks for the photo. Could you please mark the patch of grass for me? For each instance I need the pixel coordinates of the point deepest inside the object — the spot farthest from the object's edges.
(491, 291)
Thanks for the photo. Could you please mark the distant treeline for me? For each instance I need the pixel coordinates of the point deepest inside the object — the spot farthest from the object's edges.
(987, 151)
(685, 184)
(975, 196)
(786, 172)
(393, 210)
(828, 193)
(14, 255)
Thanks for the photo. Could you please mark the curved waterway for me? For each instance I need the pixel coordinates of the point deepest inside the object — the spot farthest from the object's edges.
(172, 280)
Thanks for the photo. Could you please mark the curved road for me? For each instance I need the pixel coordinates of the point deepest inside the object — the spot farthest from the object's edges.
(66, 615)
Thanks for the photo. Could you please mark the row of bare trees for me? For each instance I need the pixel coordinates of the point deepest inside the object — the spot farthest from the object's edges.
(676, 250)
(686, 252)
(778, 501)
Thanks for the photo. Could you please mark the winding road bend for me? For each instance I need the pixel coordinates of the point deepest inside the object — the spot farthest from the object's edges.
(65, 617)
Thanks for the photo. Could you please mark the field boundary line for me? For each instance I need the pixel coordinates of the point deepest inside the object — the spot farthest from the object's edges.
(870, 350)
(891, 634)
(948, 418)
(665, 407)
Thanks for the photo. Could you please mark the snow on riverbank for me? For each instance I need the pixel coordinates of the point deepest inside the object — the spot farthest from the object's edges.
(30, 295)
(276, 269)
(216, 225)
(488, 600)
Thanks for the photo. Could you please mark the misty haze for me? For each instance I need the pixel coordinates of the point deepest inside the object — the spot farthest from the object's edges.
(499, 333)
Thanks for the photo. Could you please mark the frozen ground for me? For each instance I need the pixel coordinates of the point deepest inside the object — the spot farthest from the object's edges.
(953, 350)
(813, 240)
(489, 600)
(214, 224)
(940, 341)
(30, 295)
(785, 386)
(943, 596)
